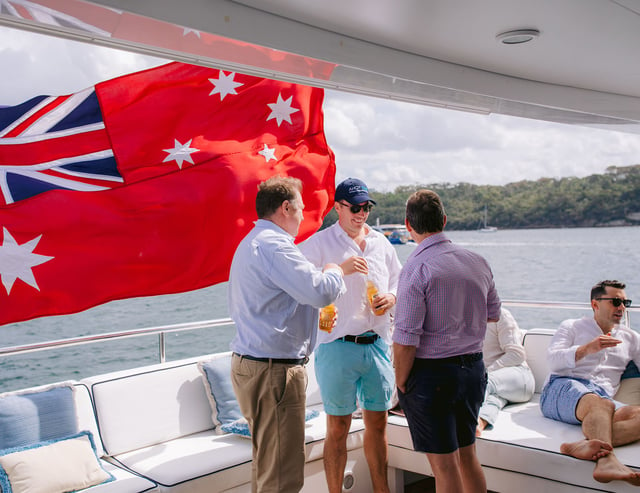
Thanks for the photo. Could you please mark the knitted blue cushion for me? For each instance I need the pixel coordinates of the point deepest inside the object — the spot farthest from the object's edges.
(33, 416)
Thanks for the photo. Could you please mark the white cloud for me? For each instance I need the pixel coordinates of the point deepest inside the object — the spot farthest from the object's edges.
(386, 143)
(405, 144)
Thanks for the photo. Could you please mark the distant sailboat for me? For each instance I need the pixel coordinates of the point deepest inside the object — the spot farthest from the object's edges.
(485, 228)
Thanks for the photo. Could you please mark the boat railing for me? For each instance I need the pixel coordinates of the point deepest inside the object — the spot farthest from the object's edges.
(162, 331)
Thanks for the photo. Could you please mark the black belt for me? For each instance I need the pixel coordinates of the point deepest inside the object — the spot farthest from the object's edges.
(462, 359)
(282, 361)
(361, 339)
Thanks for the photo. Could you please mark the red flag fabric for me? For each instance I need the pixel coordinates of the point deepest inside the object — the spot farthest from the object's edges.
(153, 196)
(109, 23)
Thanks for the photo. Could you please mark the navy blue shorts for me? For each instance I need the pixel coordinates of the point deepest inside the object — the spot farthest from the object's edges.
(442, 400)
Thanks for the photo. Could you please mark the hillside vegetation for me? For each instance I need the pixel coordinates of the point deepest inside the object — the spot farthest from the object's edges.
(609, 199)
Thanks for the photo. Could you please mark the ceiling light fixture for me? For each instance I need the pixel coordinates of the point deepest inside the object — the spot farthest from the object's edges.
(518, 36)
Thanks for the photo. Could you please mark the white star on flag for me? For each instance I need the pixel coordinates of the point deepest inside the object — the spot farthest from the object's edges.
(187, 30)
(180, 153)
(224, 85)
(268, 153)
(281, 110)
(16, 261)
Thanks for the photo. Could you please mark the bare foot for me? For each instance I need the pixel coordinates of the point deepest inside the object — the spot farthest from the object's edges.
(482, 424)
(587, 449)
(609, 468)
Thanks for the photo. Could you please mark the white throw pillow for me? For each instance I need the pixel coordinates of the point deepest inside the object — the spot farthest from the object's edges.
(58, 466)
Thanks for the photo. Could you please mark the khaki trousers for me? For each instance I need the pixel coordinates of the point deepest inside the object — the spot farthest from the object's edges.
(272, 398)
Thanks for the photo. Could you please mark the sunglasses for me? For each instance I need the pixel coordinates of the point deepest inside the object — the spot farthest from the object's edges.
(617, 302)
(357, 208)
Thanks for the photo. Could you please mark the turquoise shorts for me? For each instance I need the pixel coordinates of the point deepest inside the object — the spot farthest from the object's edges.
(351, 375)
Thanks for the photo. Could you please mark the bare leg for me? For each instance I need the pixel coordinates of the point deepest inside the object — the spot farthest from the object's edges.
(472, 473)
(335, 451)
(626, 425)
(447, 471)
(597, 416)
(375, 448)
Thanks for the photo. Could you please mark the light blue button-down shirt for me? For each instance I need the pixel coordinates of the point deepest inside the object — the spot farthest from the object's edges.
(274, 295)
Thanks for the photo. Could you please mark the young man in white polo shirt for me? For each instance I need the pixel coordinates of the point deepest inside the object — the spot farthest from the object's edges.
(353, 361)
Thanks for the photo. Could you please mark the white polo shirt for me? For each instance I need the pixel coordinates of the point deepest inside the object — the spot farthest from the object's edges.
(355, 317)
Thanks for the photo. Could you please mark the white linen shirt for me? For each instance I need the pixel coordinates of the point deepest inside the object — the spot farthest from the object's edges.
(355, 317)
(603, 368)
(274, 295)
(503, 343)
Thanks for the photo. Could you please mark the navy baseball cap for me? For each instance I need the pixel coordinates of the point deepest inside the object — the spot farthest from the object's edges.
(353, 191)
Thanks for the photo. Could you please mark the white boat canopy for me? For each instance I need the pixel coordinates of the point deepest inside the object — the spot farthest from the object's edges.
(571, 61)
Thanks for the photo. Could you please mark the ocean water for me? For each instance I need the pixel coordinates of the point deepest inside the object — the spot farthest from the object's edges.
(528, 265)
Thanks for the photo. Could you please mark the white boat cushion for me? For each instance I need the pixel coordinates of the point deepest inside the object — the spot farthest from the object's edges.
(209, 454)
(151, 405)
(86, 417)
(54, 466)
(536, 342)
(34, 415)
(187, 458)
(125, 482)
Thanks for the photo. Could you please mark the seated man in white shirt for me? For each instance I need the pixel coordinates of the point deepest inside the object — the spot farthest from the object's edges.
(587, 356)
(510, 380)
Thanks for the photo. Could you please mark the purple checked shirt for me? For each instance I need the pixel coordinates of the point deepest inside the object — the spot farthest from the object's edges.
(445, 296)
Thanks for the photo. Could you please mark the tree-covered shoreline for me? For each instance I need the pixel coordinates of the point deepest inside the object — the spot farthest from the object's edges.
(599, 200)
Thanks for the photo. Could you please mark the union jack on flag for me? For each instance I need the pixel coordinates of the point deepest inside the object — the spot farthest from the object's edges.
(50, 143)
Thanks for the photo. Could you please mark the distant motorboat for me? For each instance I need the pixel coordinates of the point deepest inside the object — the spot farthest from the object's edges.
(486, 228)
(397, 234)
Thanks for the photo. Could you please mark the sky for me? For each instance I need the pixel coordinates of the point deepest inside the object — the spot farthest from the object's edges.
(386, 143)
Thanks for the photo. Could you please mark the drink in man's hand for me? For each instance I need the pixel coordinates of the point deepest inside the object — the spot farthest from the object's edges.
(327, 313)
(372, 294)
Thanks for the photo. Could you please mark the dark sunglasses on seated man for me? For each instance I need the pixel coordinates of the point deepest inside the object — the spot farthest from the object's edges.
(617, 302)
(357, 208)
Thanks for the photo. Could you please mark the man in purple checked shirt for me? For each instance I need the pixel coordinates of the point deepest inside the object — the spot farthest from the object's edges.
(446, 296)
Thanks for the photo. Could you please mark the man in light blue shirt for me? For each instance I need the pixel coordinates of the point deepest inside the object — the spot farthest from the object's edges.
(274, 296)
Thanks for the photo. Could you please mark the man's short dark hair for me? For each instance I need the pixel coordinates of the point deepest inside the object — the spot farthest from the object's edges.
(601, 288)
(425, 212)
(273, 192)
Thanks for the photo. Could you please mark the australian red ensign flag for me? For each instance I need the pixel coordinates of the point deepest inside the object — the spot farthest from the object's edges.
(145, 184)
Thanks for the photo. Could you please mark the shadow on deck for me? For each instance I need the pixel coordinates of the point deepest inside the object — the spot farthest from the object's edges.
(426, 485)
